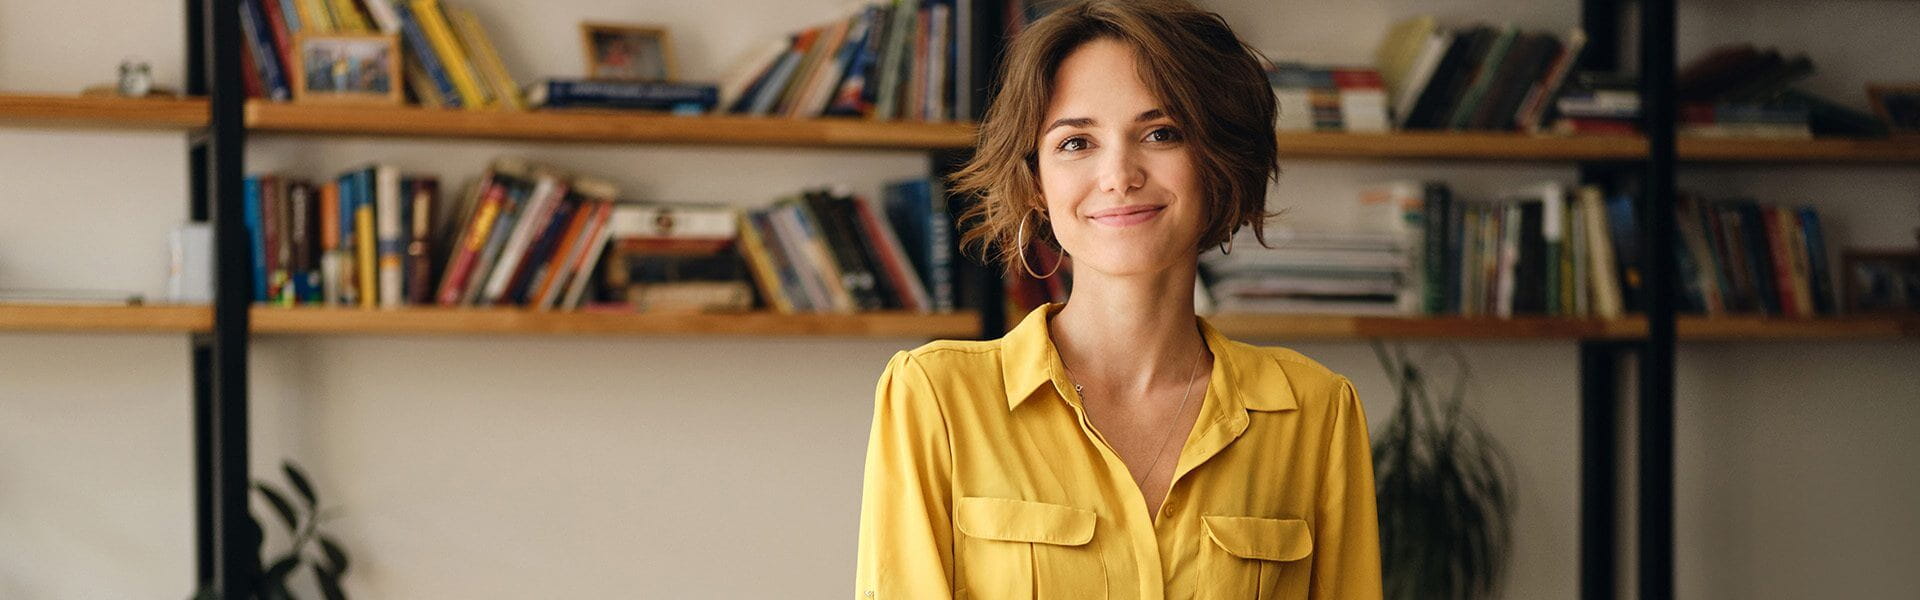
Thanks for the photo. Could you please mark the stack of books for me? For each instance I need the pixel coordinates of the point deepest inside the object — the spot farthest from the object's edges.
(448, 59)
(1474, 78)
(1324, 273)
(677, 257)
(901, 60)
(1323, 98)
(1596, 102)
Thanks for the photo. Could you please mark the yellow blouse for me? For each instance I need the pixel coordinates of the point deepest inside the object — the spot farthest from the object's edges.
(985, 480)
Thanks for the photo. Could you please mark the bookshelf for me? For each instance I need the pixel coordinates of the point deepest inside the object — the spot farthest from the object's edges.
(254, 118)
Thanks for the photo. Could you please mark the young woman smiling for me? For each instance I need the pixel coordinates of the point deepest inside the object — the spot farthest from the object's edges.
(1117, 445)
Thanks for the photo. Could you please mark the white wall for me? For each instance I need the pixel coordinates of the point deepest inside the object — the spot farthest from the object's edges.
(507, 467)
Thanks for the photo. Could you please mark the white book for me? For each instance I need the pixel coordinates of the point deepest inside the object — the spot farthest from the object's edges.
(596, 248)
(548, 190)
(1419, 76)
(389, 239)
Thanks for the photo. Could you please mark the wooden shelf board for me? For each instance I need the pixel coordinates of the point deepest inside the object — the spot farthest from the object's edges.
(277, 320)
(1346, 327)
(1826, 150)
(604, 126)
(1725, 328)
(92, 112)
(127, 319)
(1459, 145)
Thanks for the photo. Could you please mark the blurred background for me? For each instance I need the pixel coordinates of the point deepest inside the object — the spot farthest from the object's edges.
(720, 457)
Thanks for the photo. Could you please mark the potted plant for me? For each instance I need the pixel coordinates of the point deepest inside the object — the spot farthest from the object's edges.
(1441, 487)
(310, 548)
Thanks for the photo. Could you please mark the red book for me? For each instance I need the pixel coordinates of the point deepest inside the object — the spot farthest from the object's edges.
(281, 37)
(459, 268)
(1782, 261)
(1348, 79)
(892, 258)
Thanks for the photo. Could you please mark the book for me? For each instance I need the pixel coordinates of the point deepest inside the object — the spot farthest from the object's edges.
(642, 95)
(440, 36)
(485, 59)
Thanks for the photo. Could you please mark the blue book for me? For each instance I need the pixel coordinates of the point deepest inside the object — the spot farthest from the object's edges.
(1817, 267)
(541, 252)
(416, 39)
(256, 236)
(919, 216)
(253, 27)
(641, 95)
(1626, 249)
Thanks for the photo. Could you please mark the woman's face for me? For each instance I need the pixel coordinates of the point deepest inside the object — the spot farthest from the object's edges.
(1119, 182)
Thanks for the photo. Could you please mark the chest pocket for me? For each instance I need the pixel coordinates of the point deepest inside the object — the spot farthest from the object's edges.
(1250, 558)
(1024, 550)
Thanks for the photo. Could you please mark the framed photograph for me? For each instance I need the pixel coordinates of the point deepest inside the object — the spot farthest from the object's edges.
(627, 52)
(1881, 282)
(1898, 104)
(347, 68)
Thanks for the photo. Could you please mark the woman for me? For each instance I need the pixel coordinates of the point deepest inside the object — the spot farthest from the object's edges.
(1118, 446)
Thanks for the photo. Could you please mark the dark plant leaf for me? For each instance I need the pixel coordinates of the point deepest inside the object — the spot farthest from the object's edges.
(280, 505)
(329, 583)
(300, 483)
(335, 556)
(275, 577)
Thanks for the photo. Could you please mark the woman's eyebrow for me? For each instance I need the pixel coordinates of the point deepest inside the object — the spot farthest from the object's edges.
(1149, 115)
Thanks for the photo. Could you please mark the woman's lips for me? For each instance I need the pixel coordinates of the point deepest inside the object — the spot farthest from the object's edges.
(1131, 218)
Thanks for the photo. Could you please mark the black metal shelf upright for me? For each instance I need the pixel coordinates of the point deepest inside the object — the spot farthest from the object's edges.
(226, 543)
(1601, 361)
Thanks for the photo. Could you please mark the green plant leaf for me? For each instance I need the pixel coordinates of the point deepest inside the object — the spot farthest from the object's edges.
(275, 578)
(335, 555)
(329, 582)
(300, 483)
(280, 505)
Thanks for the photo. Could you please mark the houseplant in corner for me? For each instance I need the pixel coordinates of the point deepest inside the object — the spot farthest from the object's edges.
(319, 552)
(1441, 486)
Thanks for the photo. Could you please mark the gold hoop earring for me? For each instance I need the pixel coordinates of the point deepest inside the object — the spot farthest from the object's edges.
(1226, 247)
(1020, 241)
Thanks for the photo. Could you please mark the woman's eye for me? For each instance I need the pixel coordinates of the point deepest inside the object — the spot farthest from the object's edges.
(1072, 144)
(1164, 134)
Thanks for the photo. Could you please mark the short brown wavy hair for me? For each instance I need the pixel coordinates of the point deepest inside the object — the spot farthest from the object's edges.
(1213, 86)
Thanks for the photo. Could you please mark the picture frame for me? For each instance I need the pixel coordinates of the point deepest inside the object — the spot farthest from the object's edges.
(1897, 104)
(1880, 281)
(344, 68)
(619, 52)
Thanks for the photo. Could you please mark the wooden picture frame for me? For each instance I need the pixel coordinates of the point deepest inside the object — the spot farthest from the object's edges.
(616, 52)
(1880, 282)
(1897, 104)
(346, 56)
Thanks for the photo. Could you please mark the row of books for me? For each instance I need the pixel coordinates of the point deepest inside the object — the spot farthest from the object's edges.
(1311, 272)
(905, 59)
(1548, 250)
(376, 237)
(533, 236)
(1478, 77)
(448, 60)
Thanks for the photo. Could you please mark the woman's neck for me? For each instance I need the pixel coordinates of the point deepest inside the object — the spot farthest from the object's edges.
(1127, 335)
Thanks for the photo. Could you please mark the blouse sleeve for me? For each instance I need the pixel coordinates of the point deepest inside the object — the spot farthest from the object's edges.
(906, 532)
(1346, 560)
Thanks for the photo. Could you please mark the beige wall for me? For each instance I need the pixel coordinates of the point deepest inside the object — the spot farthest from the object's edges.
(487, 467)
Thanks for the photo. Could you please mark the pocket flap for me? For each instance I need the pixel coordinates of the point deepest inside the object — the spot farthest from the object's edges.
(1024, 521)
(1262, 539)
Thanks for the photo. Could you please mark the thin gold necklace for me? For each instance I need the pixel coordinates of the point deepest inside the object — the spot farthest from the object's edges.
(1160, 451)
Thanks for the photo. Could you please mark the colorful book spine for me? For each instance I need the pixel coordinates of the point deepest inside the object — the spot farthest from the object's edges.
(440, 34)
(391, 244)
(366, 242)
(486, 59)
(423, 50)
